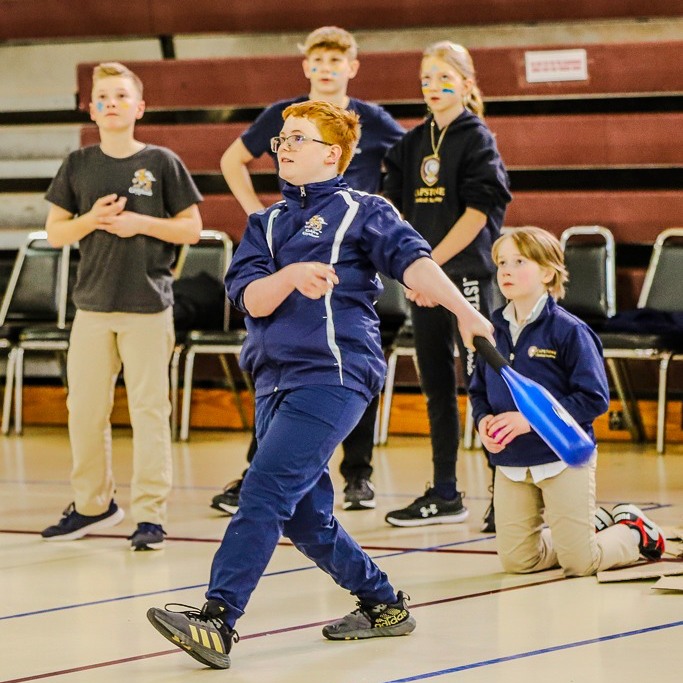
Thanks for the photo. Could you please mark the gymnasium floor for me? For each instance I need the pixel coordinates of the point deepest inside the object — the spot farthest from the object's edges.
(75, 611)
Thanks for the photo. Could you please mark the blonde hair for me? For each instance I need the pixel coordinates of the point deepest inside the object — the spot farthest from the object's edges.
(336, 125)
(106, 69)
(330, 38)
(542, 247)
(460, 59)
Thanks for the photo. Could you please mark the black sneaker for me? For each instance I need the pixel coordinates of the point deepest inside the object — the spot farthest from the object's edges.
(359, 494)
(201, 633)
(488, 526)
(430, 509)
(147, 537)
(228, 501)
(651, 537)
(373, 621)
(74, 525)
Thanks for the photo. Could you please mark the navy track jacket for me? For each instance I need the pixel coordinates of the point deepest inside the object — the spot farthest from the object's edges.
(334, 340)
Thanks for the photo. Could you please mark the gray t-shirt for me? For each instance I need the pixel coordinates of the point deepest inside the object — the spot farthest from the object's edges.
(131, 275)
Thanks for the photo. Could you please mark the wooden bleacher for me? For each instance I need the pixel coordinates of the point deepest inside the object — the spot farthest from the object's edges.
(633, 69)
(567, 166)
(47, 19)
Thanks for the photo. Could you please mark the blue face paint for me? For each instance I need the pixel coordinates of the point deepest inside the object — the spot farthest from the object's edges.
(99, 106)
(314, 70)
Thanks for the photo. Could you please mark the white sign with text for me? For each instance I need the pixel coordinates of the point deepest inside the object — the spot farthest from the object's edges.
(547, 66)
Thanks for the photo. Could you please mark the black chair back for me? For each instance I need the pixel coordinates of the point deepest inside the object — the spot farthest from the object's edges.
(590, 292)
(662, 289)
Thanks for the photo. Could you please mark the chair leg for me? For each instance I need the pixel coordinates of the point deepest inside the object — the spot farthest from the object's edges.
(175, 370)
(468, 428)
(388, 395)
(233, 387)
(187, 396)
(18, 390)
(376, 428)
(622, 384)
(662, 402)
(9, 389)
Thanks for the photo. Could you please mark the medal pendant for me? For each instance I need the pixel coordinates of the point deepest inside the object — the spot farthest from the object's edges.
(429, 169)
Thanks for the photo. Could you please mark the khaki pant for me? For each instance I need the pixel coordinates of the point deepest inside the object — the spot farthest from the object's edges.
(568, 501)
(100, 343)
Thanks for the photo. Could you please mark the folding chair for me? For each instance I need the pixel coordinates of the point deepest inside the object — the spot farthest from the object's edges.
(208, 257)
(662, 292)
(35, 300)
(221, 343)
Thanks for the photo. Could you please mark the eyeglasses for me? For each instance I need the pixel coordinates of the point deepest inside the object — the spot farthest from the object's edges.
(294, 142)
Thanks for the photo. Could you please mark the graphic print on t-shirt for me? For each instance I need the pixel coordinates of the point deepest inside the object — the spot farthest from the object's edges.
(142, 182)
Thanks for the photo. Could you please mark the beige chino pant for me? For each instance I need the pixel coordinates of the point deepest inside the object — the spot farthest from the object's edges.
(100, 344)
(568, 501)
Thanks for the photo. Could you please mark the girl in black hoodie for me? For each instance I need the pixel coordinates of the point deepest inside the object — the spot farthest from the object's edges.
(447, 178)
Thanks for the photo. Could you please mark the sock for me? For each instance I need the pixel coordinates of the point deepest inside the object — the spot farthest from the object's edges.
(446, 490)
(636, 534)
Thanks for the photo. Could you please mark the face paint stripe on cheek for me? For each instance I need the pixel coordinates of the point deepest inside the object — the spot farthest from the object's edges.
(99, 106)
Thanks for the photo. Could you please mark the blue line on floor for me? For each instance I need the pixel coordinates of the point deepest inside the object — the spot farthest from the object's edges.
(535, 653)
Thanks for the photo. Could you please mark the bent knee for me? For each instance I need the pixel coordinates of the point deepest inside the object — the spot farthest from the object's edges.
(519, 565)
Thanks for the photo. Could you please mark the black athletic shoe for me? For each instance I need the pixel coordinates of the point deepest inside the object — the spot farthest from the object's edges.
(147, 537)
(201, 633)
(359, 494)
(488, 526)
(228, 501)
(74, 525)
(373, 621)
(429, 509)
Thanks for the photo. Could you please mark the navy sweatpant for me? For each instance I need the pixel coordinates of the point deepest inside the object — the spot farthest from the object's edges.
(288, 491)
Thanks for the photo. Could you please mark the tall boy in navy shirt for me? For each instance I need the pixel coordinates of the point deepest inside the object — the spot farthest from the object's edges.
(305, 274)
(330, 63)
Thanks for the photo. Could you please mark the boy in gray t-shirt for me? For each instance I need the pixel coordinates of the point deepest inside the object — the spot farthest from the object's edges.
(127, 204)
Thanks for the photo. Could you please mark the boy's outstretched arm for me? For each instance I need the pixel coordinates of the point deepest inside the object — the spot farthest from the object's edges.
(426, 278)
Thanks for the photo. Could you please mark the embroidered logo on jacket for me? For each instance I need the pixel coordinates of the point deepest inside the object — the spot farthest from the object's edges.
(314, 226)
(535, 352)
(142, 182)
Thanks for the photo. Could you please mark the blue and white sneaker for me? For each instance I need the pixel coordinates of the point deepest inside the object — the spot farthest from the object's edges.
(147, 537)
(74, 525)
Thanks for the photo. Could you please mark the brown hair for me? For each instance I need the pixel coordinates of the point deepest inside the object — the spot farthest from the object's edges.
(336, 125)
(460, 59)
(116, 69)
(543, 248)
(330, 38)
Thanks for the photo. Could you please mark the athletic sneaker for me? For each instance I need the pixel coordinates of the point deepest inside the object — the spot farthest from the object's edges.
(651, 541)
(201, 633)
(228, 501)
(373, 621)
(602, 520)
(488, 526)
(429, 509)
(147, 537)
(74, 525)
(359, 494)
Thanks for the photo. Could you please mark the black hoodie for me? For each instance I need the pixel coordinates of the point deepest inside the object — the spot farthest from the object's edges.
(471, 174)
